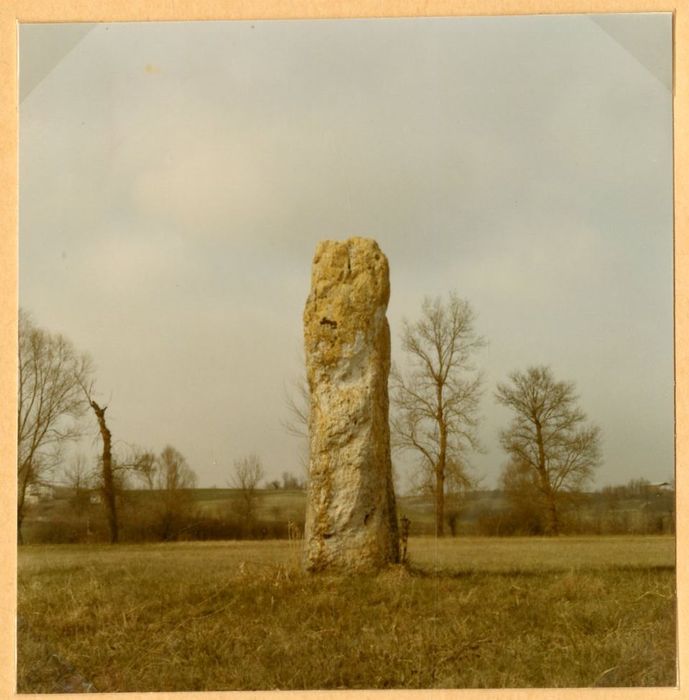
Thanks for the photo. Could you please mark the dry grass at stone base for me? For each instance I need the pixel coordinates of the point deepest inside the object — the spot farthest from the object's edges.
(476, 613)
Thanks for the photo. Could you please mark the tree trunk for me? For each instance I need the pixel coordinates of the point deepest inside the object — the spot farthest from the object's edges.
(440, 468)
(20, 510)
(553, 519)
(23, 483)
(440, 501)
(553, 526)
(108, 479)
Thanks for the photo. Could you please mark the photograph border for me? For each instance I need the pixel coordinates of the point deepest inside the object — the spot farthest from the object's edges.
(13, 12)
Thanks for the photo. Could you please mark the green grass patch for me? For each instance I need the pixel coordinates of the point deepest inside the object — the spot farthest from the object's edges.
(475, 613)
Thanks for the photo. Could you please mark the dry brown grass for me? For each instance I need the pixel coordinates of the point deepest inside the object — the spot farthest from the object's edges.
(469, 613)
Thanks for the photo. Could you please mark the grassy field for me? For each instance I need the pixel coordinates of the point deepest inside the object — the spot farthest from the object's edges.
(240, 615)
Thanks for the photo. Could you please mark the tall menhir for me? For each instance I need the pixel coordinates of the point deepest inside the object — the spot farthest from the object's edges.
(351, 520)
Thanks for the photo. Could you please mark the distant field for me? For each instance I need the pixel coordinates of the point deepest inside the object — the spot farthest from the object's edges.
(468, 612)
(528, 554)
(482, 513)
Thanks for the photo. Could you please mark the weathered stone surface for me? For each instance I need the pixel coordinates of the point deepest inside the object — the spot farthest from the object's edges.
(351, 521)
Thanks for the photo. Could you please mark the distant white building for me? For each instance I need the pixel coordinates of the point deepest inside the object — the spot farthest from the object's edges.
(39, 492)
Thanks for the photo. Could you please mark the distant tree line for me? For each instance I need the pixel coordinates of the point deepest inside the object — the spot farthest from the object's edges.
(167, 508)
(596, 512)
(552, 451)
(146, 514)
(289, 482)
(56, 392)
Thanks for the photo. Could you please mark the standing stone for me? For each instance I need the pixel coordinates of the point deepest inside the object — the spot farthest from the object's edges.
(351, 521)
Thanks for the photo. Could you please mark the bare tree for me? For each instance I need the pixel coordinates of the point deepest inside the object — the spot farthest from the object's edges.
(144, 466)
(78, 478)
(436, 400)
(49, 403)
(291, 482)
(248, 472)
(548, 438)
(458, 483)
(298, 402)
(173, 471)
(175, 480)
(526, 509)
(108, 480)
(111, 475)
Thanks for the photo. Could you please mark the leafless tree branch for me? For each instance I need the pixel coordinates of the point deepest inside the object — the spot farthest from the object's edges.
(549, 447)
(436, 400)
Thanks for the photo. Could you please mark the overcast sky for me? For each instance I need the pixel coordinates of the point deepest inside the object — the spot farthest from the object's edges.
(176, 177)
